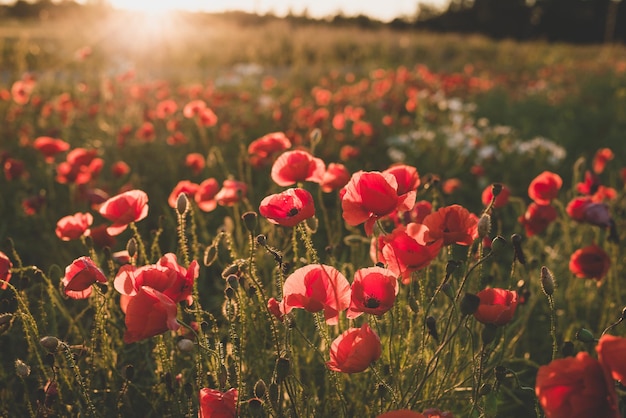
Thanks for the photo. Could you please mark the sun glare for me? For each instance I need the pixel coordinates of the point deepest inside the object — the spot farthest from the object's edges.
(156, 7)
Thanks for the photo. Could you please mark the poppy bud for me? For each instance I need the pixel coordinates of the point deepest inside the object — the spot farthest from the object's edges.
(488, 334)
(516, 239)
(484, 225)
(496, 188)
(585, 336)
(49, 360)
(250, 220)
(469, 304)
(451, 266)
(446, 288)
(210, 255)
(547, 281)
(232, 269)
(273, 393)
(222, 376)
(255, 406)
(229, 292)
(260, 389)
(129, 372)
(182, 204)
(282, 369)
(22, 369)
(131, 247)
(261, 240)
(431, 324)
(50, 343)
(498, 244)
(316, 136)
(312, 223)
(413, 305)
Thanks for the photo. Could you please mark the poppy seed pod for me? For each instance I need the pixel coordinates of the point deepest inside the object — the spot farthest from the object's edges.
(431, 324)
(51, 344)
(250, 220)
(260, 389)
(498, 244)
(131, 247)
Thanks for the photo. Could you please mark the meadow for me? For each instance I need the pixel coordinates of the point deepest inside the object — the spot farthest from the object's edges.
(218, 216)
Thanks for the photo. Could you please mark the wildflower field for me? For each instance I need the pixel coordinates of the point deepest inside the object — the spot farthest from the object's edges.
(203, 218)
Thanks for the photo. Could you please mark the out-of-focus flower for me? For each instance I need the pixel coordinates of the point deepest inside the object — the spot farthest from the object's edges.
(206, 193)
(5, 270)
(79, 276)
(401, 413)
(262, 150)
(497, 306)
(335, 177)
(583, 209)
(196, 162)
(537, 218)
(545, 187)
(450, 186)
(452, 225)
(576, 387)
(601, 158)
(50, 147)
(297, 166)
(590, 262)
(288, 208)
(317, 287)
(124, 208)
(216, 404)
(611, 351)
(232, 192)
(120, 169)
(374, 291)
(74, 226)
(354, 350)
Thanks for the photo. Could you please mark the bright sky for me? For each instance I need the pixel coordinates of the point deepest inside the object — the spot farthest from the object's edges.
(384, 10)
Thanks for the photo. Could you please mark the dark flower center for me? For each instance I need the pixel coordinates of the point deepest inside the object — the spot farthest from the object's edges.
(372, 303)
(293, 212)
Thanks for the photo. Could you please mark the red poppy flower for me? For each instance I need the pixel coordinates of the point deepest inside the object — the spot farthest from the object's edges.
(590, 185)
(149, 313)
(537, 218)
(408, 181)
(207, 117)
(263, 149)
(288, 208)
(296, 166)
(374, 291)
(349, 152)
(317, 287)
(167, 277)
(545, 187)
(79, 167)
(193, 108)
(232, 192)
(405, 250)
(450, 186)
(50, 147)
(206, 194)
(416, 215)
(576, 387)
(79, 276)
(120, 169)
(127, 207)
(5, 270)
(497, 306)
(452, 225)
(21, 90)
(166, 108)
(354, 350)
(436, 413)
(274, 307)
(369, 196)
(187, 187)
(216, 404)
(583, 209)
(611, 351)
(74, 226)
(335, 177)
(501, 200)
(590, 262)
(196, 162)
(146, 132)
(601, 158)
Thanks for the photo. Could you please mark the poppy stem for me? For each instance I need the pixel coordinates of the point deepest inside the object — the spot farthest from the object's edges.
(553, 326)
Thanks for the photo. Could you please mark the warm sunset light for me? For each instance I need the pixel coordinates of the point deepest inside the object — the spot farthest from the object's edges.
(320, 8)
